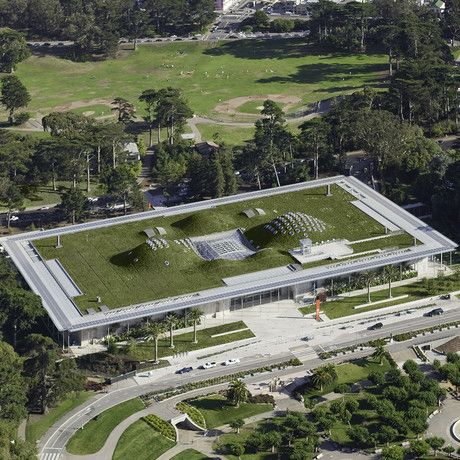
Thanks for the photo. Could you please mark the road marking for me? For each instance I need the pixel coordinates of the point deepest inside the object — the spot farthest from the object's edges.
(50, 456)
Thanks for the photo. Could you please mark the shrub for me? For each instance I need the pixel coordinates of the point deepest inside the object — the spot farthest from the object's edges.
(160, 425)
(192, 412)
(21, 118)
(342, 388)
(261, 399)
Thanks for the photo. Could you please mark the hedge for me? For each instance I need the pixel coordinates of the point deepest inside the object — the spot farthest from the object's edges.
(160, 425)
(192, 412)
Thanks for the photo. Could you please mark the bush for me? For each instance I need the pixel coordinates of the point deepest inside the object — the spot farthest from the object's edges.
(342, 388)
(160, 425)
(262, 399)
(192, 412)
(21, 118)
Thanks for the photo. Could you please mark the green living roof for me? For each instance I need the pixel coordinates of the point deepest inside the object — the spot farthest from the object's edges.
(115, 263)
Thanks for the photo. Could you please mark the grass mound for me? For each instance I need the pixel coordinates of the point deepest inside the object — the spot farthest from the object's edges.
(201, 223)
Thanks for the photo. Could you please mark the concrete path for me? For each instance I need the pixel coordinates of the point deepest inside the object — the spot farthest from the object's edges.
(441, 424)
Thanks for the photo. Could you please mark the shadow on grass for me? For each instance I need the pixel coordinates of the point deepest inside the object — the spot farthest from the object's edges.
(337, 72)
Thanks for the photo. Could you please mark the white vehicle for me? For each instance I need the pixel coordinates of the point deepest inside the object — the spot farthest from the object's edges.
(45, 208)
(93, 199)
(14, 218)
(231, 361)
(209, 365)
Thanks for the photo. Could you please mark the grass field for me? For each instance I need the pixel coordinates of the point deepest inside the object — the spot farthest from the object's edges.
(92, 437)
(232, 135)
(141, 442)
(184, 342)
(190, 454)
(116, 264)
(207, 72)
(38, 425)
(217, 411)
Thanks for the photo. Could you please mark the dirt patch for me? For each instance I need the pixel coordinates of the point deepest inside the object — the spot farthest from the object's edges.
(230, 107)
(80, 104)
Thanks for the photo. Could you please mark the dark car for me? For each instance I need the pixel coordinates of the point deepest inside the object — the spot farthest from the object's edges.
(435, 312)
(375, 326)
(184, 370)
(445, 297)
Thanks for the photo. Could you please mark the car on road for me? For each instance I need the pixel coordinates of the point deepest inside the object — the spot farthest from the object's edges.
(307, 338)
(14, 218)
(231, 361)
(208, 365)
(375, 326)
(435, 312)
(45, 208)
(184, 370)
(445, 297)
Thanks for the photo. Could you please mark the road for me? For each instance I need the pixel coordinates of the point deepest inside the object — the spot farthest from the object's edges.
(56, 438)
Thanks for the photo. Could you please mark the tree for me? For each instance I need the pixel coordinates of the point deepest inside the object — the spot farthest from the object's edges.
(74, 204)
(194, 315)
(218, 177)
(13, 49)
(393, 453)
(236, 449)
(449, 450)
(154, 331)
(314, 136)
(237, 424)
(359, 435)
(171, 322)
(125, 109)
(324, 375)
(272, 440)
(435, 443)
(150, 98)
(390, 272)
(14, 95)
(419, 448)
(122, 184)
(387, 434)
(237, 392)
(367, 278)
(13, 387)
(11, 197)
(379, 354)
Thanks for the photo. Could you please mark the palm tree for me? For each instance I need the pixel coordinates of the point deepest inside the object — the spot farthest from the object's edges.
(390, 272)
(194, 315)
(367, 278)
(237, 424)
(155, 331)
(324, 375)
(171, 322)
(379, 354)
(237, 392)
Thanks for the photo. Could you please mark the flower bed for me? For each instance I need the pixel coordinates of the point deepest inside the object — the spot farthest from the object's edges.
(193, 413)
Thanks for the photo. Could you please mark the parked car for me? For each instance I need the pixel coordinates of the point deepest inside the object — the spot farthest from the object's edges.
(184, 370)
(435, 312)
(209, 365)
(231, 361)
(375, 326)
(14, 218)
(445, 297)
(307, 338)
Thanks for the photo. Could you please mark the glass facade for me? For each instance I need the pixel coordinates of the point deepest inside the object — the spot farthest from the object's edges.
(258, 299)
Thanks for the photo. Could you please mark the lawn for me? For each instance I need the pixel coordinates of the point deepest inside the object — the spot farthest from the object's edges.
(190, 454)
(92, 437)
(416, 291)
(184, 342)
(207, 72)
(115, 263)
(37, 426)
(349, 373)
(141, 442)
(217, 411)
(231, 135)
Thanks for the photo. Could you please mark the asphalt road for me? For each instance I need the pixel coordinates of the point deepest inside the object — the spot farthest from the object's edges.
(57, 437)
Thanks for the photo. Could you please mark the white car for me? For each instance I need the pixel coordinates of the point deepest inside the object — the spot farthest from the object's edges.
(231, 361)
(14, 218)
(45, 208)
(209, 365)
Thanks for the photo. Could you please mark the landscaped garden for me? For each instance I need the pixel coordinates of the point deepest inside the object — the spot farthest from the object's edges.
(419, 290)
(141, 442)
(92, 436)
(218, 411)
(190, 454)
(117, 265)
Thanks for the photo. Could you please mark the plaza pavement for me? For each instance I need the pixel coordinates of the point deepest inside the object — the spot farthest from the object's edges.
(441, 423)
